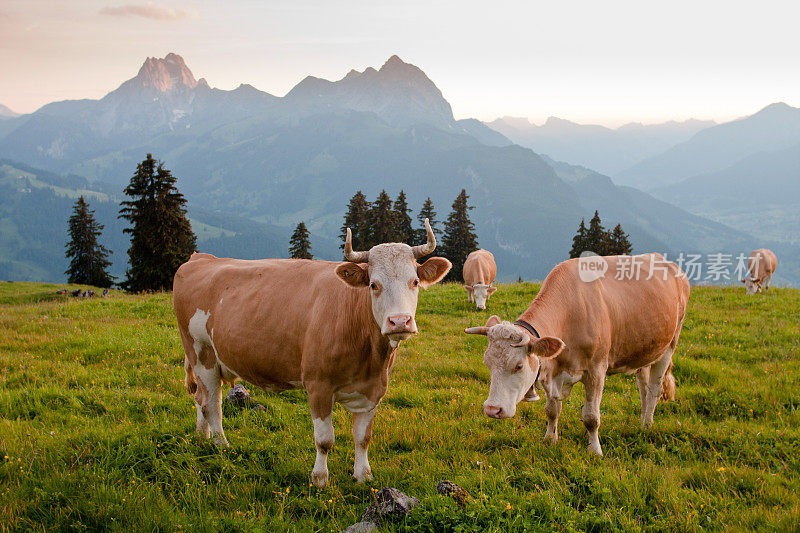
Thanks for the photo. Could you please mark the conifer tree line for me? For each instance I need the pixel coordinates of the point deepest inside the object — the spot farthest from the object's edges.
(597, 239)
(380, 221)
(384, 221)
(161, 235)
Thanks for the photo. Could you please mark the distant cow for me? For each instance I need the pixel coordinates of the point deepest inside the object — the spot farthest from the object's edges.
(579, 330)
(479, 273)
(330, 328)
(761, 265)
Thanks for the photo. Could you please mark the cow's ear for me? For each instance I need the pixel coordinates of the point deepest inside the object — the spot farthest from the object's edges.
(433, 270)
(493, 321)
(468, 287)
(354, 274)
(547, 347)
(492, 290)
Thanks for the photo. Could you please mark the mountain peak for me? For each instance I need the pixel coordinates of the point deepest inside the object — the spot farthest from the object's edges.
(165, 74)
(397, 67)
(393, 61)
(777, 107)
(6, 112)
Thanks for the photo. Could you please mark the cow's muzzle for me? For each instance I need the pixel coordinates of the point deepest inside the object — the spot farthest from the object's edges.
(400, 325)
(495, 411)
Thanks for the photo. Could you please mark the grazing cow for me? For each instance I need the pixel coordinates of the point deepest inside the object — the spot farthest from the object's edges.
(479, 273)
(330, 328)
(761, 265)
(580, 329)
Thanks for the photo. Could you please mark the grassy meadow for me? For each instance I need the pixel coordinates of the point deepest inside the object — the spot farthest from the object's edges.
(97, 431)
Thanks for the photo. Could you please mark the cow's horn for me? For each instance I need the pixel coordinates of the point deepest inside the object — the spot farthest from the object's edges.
(349, 254)
(479, 330)
(524, 342)
(422, 250)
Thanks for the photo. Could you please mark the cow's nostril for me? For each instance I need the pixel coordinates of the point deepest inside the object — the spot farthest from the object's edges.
(493, 411)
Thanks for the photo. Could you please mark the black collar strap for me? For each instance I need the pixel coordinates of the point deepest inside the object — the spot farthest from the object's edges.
(532, 330)
(528, 327)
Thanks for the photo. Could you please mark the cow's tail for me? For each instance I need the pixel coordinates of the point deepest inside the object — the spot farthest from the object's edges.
(668, 385)
(189, 380)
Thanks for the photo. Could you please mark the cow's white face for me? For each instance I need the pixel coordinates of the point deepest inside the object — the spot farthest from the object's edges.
(512, 370)
(513, 362)
(394, 278)
(481, 293)
(751, 287)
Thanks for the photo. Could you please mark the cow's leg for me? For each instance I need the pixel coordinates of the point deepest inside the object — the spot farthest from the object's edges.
(209, 398)
(190, 382)
(552, 409)
(202, 426)
(362, 433)
(321, 403)
(767, 282)
(642, 377)
(654, 386)
(593, 383)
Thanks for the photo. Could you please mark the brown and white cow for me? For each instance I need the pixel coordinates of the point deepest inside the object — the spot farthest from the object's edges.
(580, 329)
(331, 328)
(479, 273)
(760, 266)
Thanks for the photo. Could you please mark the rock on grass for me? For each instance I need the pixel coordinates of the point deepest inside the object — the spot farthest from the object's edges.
(448, 488)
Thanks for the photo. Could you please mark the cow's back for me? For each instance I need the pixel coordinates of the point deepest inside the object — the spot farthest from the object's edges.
(762, 264)
(480, 267)
(624, 314)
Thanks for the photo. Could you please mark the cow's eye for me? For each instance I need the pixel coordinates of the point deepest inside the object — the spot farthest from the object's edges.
(373, 286)
(415, 282)
(518, 367)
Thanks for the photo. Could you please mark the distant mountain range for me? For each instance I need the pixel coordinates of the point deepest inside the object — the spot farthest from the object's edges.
(759, 193)
(605, 150)
(776, 127)
(275, 161)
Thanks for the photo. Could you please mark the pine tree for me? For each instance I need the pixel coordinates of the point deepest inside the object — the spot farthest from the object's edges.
(161, 235)
(381, 221)
(579, 241)
(357, 219)
(299, 244)
(420, 235)
(619, 243)
(596, 236)
(459, 236)
(403, 230)
(88, 258)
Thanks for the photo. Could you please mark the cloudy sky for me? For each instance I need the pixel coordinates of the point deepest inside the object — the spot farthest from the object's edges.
(603, 62)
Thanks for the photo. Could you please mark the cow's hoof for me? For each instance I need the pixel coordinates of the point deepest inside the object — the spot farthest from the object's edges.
(365, 475)
(221, 441)
(550, 439)
(647, 424)
(595, 450)
(320, 479)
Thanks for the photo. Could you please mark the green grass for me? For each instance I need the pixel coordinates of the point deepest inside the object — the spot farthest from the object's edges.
(97, 432)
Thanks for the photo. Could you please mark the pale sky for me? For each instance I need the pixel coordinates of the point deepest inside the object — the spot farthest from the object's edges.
(605, 62)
